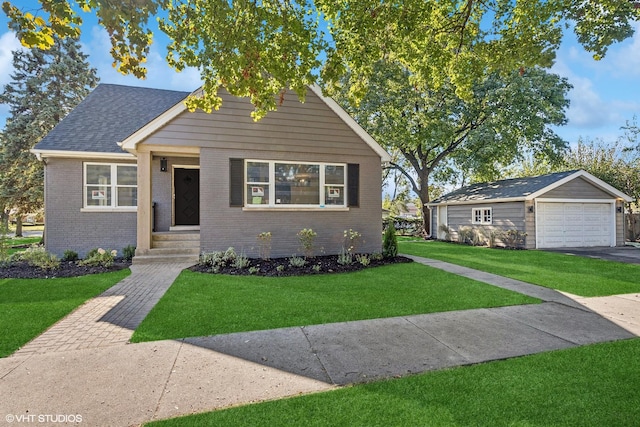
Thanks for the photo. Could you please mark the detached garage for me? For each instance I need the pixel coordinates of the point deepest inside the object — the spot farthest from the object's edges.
(564, 209)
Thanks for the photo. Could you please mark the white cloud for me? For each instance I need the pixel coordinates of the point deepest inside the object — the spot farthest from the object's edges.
(8, 44)
(624, 59)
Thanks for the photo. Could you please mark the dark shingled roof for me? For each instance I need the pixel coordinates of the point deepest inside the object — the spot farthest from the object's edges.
(109, 114)
(505, 189)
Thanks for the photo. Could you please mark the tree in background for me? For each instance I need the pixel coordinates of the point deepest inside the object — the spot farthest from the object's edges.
(260, 48)
(433, 134)
(44, 87)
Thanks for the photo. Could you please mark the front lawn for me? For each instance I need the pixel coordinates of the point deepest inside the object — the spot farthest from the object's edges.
(577, 275)
(200, 304)
(29, 306)
(595, 386)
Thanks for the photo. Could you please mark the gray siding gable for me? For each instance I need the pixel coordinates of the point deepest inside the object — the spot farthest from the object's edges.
(504, 189)
(108, 115)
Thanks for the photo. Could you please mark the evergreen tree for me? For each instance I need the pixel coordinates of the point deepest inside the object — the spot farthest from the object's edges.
(44, 87)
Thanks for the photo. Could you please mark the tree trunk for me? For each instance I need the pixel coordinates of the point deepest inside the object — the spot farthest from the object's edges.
(426, 212)
(18, 226)
(4, 220)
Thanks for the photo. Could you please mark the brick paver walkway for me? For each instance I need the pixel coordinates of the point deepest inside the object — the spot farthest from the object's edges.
(110, 318)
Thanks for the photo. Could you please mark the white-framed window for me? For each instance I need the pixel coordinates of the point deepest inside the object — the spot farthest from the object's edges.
(294, 184)
(110, 186)
(481, 216)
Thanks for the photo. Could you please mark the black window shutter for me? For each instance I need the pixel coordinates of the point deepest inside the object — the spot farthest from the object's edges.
(353, 185)
(236, 182)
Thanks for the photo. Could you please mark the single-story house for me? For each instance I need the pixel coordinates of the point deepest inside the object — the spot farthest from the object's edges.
(132, 166)
(564, 209)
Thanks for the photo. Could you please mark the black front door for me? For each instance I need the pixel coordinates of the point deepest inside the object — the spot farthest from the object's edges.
(187, 196)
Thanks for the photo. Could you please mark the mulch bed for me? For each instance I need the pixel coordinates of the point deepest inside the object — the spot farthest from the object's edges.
(327, 263)
(269, 268)
(22, 270)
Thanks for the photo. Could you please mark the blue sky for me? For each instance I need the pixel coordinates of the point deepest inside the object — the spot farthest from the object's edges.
(606, 93)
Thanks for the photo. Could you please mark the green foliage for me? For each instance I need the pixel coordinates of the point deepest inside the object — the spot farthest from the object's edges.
(100, 257)
(363, 259)
(434, 132)
(297, 262)
(128, 252)
(38, 256)
(241, 261)
(45, 85)
(218, 260)
(260, 49)
(390, 242)
(345, 257)
(70, 255)
(307, 238)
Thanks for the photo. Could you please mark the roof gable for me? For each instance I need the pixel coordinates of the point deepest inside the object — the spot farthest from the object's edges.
(130, 143)
(517, 189)
(109, 114)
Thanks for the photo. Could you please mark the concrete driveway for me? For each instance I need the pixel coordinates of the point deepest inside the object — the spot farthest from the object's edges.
(627, 254)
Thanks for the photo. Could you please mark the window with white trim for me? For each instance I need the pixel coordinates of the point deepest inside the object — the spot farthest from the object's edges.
(294, 184)
(481, 215)
(110, 185)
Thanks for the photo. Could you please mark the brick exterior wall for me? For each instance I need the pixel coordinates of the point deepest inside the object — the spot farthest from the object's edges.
(67, 227)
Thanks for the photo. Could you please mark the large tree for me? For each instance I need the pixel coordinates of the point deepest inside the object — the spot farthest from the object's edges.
(431, 134)
(45, 85)
(259, 48)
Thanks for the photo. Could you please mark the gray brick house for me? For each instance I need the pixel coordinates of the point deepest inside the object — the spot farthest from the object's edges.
(132, 166)
(564, 209)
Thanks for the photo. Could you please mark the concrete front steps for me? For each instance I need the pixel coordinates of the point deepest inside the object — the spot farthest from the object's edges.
(172, 246)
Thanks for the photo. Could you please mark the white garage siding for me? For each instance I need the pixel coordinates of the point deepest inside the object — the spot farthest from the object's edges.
(575, 224)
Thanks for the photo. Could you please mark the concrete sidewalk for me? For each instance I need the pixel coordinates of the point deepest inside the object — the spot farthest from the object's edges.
(121, 385)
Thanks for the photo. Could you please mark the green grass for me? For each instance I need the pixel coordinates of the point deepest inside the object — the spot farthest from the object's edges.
(595, 386)
(577, 275)
(202, 304)
(29, 306)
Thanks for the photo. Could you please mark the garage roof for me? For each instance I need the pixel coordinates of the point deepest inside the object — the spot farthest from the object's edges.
(518, 189)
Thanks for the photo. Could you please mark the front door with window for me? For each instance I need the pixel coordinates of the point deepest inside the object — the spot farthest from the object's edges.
(187, 196)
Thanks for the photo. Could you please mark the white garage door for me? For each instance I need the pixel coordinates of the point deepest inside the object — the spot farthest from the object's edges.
(574, 225)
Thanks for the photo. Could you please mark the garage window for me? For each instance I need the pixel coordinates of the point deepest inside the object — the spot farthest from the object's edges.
(481, 216)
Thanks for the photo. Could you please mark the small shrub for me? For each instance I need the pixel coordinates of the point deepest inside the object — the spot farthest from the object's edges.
(264, 245)
(514, 239)
(254, 270)
(296, 261)
(390, 242)
(280, 268)
(345, 257)
(241, 261)
(465, 235)
(37, 256)
(93, 252)
(128, 252)
(351, 240)
(307, 238)
(446, 231)
(376, 256)
(70, 255)
(218, 260)
(316, 268)
(101, 257)
(363, 259)
(476, 238)
(492, 237)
